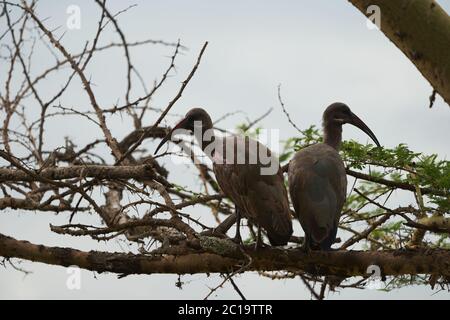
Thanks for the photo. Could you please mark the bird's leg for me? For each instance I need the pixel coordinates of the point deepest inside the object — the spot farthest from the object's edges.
(306, 246)
(237, 237)
(259, 243)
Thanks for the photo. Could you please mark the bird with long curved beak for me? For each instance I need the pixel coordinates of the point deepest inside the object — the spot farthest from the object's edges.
(183, 124)
(261, 198)
(318, 181)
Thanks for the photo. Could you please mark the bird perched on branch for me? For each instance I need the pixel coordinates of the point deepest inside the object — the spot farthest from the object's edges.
(318, 181)
(247, 173)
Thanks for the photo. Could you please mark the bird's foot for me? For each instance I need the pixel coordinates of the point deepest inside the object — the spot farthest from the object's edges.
(259, 245)
(238, 240)
(411, 247)
(305, 248)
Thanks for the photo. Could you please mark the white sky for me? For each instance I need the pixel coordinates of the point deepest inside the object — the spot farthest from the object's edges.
(320, 51)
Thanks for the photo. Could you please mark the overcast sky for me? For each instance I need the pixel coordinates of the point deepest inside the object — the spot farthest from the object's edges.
(320, 51)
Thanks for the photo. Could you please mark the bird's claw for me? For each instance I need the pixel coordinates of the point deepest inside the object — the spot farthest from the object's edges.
(259, 245)
(238, 240)
(305, 248)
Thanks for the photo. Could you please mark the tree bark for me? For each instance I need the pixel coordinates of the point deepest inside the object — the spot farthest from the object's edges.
(223, 256)
(137, 172)
(421, 30)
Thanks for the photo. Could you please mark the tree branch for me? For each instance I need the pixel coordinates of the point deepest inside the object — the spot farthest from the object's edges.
(421, 30)
(137, 172)
(339, 263)
(394, 184)
(386, 182)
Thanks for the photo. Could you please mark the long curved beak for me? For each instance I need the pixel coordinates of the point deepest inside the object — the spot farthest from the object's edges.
(357, 122)
(168, 137)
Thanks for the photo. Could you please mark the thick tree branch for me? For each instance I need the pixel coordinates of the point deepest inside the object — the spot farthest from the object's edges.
(29, 204)
(421, 30)
(341, 263)
(137, 172)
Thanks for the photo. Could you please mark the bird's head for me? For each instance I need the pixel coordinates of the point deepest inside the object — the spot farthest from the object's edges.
(339, 113)
(196, 119)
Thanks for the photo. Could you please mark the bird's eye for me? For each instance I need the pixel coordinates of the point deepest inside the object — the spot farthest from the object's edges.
(347, 112)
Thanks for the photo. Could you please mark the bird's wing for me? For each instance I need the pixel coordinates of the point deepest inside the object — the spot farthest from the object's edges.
(261, 197)
(316, 181)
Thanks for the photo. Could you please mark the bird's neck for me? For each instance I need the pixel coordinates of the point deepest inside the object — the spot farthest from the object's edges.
(332, 135)
(204, 135)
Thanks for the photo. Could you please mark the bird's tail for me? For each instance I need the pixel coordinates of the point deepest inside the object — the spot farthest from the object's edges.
(278, 239)
(278, 227)
(280, 236)
(325, 243)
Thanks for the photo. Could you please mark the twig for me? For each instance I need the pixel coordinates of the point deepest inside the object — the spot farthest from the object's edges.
(286, 113)
(432, 98)
(164, 113)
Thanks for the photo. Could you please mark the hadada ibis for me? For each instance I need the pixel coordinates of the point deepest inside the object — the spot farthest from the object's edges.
(318, 181)
(260, 197)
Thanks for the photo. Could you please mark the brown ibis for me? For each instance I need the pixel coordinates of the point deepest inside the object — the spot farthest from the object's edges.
(242, 170)
(318, 181)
